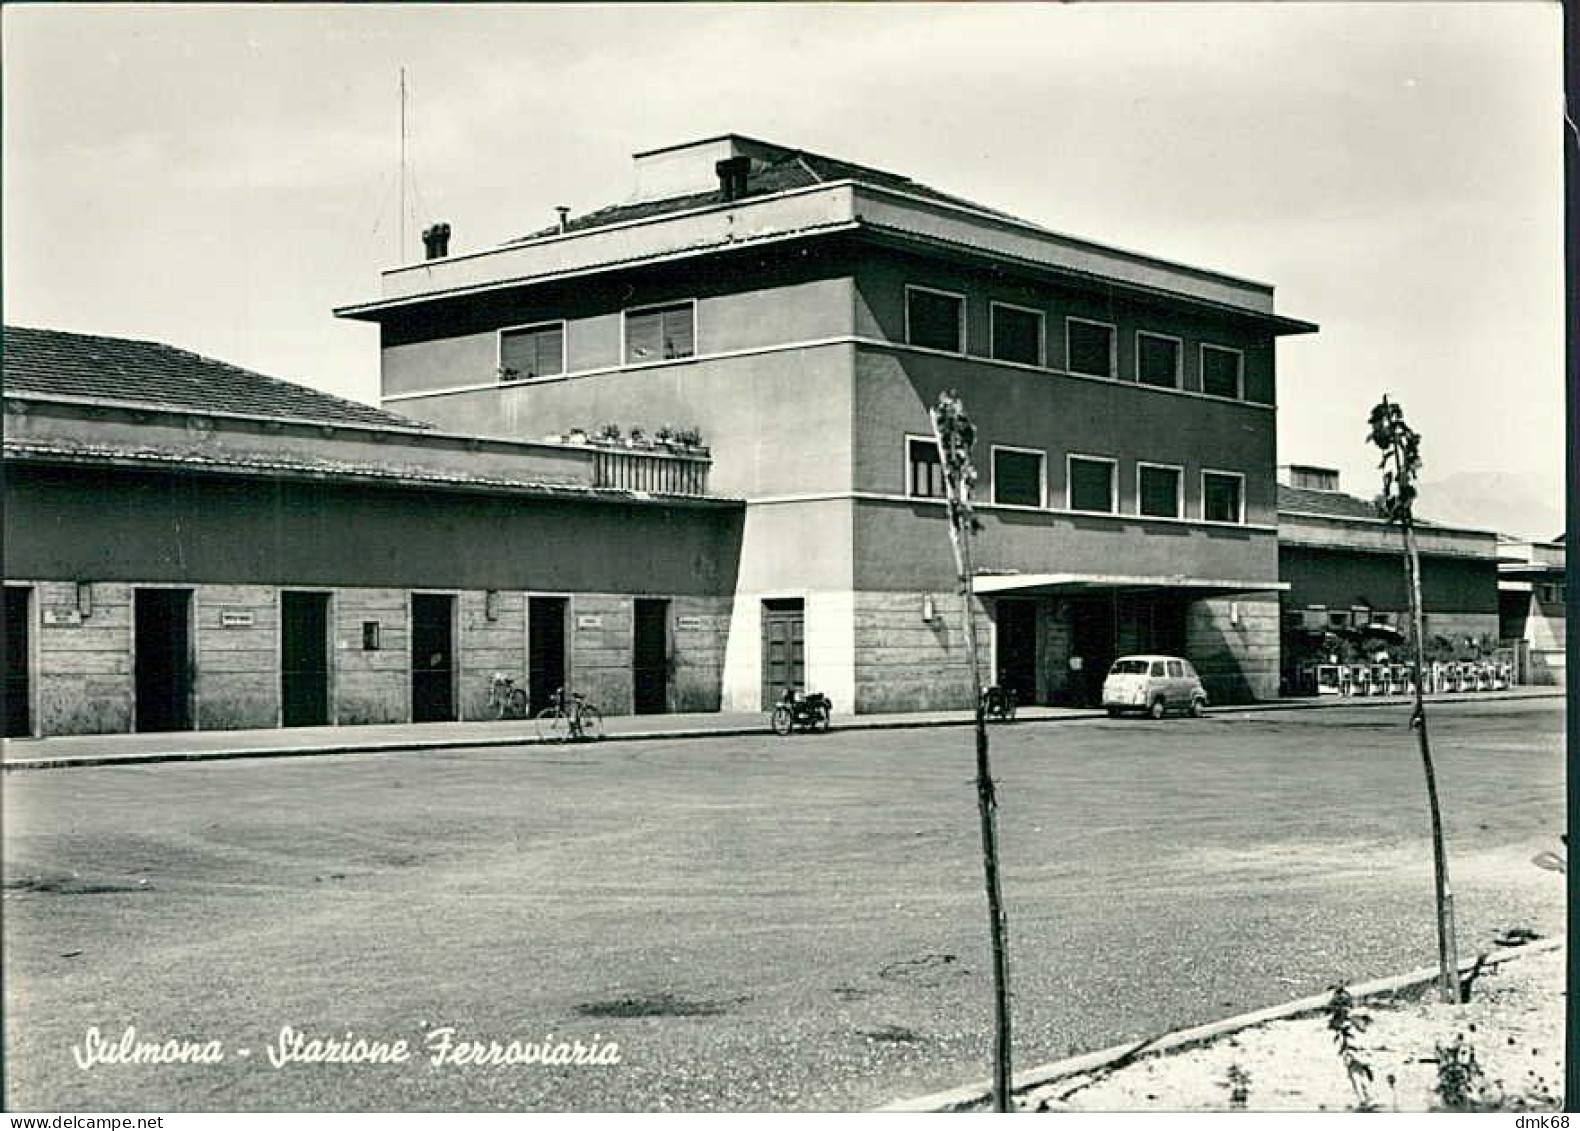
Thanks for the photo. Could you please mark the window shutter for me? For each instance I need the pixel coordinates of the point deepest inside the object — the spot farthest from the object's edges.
(679, 332)
(536, 352)
(644, 336)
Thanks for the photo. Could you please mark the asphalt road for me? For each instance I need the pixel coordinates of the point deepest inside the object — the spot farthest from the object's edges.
(758, 923)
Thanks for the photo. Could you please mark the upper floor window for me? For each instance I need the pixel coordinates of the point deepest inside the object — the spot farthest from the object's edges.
(530, 352)
(1222, 372)
(660, 333)
(925, 478)
(1157, 360)
(1089, 347)
(935, 319)
(1017, 477)
(1016, 334)
(1158, 490)
(1091, 484)
(1222, 496)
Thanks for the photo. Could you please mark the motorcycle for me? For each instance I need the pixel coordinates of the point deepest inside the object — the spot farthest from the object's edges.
(998, 704)
(810, 712)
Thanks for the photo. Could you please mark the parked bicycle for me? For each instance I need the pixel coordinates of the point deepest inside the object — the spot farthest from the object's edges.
(505, 699)
(570, 718)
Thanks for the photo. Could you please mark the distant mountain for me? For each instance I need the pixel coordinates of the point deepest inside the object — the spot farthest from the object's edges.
(1522, 503)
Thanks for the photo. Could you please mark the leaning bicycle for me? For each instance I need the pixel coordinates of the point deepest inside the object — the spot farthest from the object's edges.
(505, 699)
(570, 718)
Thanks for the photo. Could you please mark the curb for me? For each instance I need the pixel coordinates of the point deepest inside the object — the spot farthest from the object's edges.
(975, 1095)
(463, 743)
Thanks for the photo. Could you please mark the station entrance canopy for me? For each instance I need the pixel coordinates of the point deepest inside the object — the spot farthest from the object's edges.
(1083, 584)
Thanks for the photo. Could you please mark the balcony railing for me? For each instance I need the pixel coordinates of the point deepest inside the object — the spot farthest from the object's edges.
(661, 473)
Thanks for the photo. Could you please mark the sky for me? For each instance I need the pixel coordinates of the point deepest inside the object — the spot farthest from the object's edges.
(221, 177)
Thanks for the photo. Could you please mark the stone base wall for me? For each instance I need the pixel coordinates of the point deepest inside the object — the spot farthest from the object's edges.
(699, 634)
(370, 685)
(489, 644)
(1233, 643)
(906, 664)
(82, 677)
(237, 657)
(600, 639)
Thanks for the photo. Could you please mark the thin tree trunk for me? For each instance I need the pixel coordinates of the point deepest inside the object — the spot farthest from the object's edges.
(1447, 944)
(987, 812)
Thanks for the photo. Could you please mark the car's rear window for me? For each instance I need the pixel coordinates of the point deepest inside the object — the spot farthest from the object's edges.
(1176, 670)
(1129, 667)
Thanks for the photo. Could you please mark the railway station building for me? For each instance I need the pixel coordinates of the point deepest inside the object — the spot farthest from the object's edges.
(804, 312)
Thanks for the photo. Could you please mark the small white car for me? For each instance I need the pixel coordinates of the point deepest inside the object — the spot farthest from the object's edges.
(1153, 685)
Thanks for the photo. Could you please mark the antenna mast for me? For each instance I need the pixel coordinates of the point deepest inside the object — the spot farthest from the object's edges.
(402, 222)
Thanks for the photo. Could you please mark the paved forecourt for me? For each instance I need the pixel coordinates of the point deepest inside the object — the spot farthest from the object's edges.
(756, 922)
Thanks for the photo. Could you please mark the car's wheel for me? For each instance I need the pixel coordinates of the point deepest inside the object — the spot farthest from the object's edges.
(1114, 712)
(1198, 707)
(1158, 708)
(781, 720)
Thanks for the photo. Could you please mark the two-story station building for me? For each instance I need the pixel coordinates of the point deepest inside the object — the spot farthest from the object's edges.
(804, 313)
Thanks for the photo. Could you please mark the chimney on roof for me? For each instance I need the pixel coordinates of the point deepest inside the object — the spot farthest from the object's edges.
(732, 173)
(436, 240)
(564, 212)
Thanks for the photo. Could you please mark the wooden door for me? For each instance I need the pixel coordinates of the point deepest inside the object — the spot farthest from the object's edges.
(784, 661)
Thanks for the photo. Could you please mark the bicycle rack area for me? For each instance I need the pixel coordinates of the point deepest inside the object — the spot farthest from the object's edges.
(1358, 680)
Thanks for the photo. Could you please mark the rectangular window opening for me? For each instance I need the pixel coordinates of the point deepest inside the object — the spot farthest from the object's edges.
(926, 477)
(1157, 360)
(1222, 497)
(1089, 348)
(1221, 372)
(935, 320)
(1017, 477)
(1017, 334)
(1158, 491)
(1091, 485)
(660, 333)
(531, 352)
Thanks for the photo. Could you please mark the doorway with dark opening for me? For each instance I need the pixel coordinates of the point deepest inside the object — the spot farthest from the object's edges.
(1015, 634)
(1092, 639)
(432, 658)
(162, 663)
(545, 650)
(18, 662)
(650, 657)
(304, 659)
